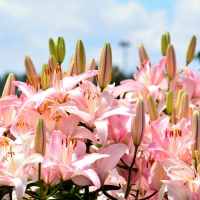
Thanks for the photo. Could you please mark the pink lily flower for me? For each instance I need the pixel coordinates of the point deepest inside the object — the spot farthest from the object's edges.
(15, 169)
(73, 161)
(170, 142)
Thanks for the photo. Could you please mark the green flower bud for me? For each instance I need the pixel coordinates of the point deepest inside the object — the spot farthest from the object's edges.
(143, 56)
(165, 41)
(52, 63)
(178, 101)
(167, 35)
(91, 66)
(71, 69)
(53, 49)
(191, 50)
(61, 49)
(170, 102)
(40, 137)
(138, 123)
(171, 61)
(163, 45)
(9, 88)
(105, 66)
(152, 108)
(196, 129)
(45, 81)
(79, 58)
(184, 107)
(30, 68)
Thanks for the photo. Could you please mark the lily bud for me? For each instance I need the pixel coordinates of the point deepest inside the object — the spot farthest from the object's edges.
(170, 102)
(152, 108)
(45, 81)
(167, 35)
(91, 66)
(184, 107)
(52, 63)
(79, 58)
(143, 56)
(30, 68)
(164, 45)
(196, 129)
(138, 123)
(165, 41)
(105, 66)
(71, 69)
(61, 49)
(191, 50)
(40, 137)
(9, 88)
(171, 61)
(53, 49)
(178, 101)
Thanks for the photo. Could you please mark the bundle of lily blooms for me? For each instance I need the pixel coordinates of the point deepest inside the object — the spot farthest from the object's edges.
(64, 137)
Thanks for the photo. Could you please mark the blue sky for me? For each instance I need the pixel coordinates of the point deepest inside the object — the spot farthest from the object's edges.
(25, 28)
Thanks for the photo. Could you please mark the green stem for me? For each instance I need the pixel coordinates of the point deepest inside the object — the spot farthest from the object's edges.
(39, 177)
(32, 195)
(129, 173)
(123, 162)
(46, 190)
(55, 190)
(10, 192)
(148, 196)
(86, 196)
(106, 194)
(137, 194)
(168, 84)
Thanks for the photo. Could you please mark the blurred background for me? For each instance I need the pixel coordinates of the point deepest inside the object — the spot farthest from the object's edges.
(26, 26)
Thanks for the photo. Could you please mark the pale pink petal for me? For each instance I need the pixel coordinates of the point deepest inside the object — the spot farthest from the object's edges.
(102, 131)
(85, 117)
(11, 100)
(4, 180)
(177, 169)
(162, 191)
(56, 146)
(20, 186)
(129, 87)
(82, 132)
(84, 162)
(177, 190)
(157, 148)
(153, 90)
(158, 71)
(37, 99)
(26, 89)
(117, 110)
(87, 177)
(115, 152)
(69, 82)
(32, 159)
(79, 151)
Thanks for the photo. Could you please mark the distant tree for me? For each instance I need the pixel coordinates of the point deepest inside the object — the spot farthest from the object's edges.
(118, 76)
(198, 56)
(18, 78)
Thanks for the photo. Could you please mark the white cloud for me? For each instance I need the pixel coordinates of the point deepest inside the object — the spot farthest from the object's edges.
(25, 27)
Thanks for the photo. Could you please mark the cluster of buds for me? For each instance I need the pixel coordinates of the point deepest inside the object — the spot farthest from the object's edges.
(65, 137)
